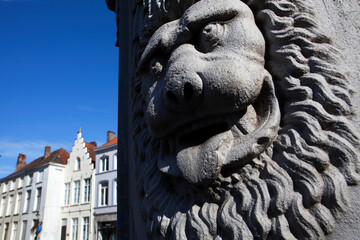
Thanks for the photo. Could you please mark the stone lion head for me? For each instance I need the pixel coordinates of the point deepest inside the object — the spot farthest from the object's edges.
(241, 121)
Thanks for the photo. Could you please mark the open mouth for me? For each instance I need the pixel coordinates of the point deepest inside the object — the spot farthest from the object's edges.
(200, 135)
(199, 132)
(199, 149)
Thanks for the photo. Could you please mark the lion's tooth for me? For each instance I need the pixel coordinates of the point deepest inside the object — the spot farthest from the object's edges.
(242, 127)
(236, 132)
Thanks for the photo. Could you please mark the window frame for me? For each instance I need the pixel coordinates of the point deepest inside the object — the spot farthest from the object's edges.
(18, 203)
(67, 194)
(86, 228)
(87, 190)
(10, 205)
(74, 229)
(77, 164)
(38, 199)
(3, 206)
(115, 191)
(29, 179)
(115, 161)
(40, 176)
(27, 201)
(103, 194)
(76, 192)
(14, 230)
(104, 164)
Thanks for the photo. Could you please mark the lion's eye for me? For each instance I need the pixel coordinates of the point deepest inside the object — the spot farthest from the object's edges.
(156, 67)
(210, 36)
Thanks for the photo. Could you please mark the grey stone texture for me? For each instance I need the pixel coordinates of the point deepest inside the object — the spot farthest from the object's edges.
(341, 21)
(242, 121)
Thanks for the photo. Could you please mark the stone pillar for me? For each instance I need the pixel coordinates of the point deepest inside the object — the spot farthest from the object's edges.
(237, 119)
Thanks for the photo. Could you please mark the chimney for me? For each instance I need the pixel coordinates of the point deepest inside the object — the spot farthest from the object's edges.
(21, 162)
(47, 151)
(93, 143)
(110, 136)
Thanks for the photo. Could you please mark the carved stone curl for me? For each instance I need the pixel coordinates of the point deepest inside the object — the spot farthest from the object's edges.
(241, 121)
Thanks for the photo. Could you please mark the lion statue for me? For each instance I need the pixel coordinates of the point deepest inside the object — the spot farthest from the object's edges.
(241, 121)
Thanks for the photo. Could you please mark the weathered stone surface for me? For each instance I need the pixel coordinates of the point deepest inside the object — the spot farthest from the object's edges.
(242, 119)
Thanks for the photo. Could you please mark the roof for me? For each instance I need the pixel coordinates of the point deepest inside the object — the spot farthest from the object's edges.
(110, 142)
(59, 156)
(90, 150)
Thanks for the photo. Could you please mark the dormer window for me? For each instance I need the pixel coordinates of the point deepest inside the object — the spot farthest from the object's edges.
(77, 164)
(104, 163)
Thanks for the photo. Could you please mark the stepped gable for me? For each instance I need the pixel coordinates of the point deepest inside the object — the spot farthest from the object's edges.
(90, 149)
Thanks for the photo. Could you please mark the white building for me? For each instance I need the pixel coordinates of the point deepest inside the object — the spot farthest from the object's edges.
(106, 189)
(79, 192)
(29, 201)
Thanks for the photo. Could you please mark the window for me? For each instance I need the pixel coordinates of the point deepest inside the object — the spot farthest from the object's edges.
(29, 180)
(103, 194)
(63, 228)
(35, 225)
(40, 176)
(10, 205)
(74, 229)
(12, 184)
(20, 182)
(87, 189)
(77, 164)
(27, 201)
(67, 194)
(115, 161)
(6, 231)
(23, 230)
(18, 203)
(76, 192)
(115, 192)
(14, 231)
(85, 232)
(3, 204)
(38, 199)
(104, 163)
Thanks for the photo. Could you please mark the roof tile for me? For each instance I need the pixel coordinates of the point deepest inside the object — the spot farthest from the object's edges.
(110, 142)
(59, 156)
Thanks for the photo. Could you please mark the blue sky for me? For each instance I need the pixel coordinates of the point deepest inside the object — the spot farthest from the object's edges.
(58, 71)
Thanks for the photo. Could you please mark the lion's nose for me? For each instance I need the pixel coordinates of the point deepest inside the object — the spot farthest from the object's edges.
(183, 92)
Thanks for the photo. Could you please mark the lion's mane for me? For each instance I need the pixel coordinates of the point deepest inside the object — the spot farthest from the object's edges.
(298, 187)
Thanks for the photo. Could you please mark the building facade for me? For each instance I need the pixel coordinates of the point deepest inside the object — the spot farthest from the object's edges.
(78, 192)
(106, 189)
(30, 197)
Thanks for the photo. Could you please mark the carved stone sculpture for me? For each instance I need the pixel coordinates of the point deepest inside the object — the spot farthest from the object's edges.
(240, 121)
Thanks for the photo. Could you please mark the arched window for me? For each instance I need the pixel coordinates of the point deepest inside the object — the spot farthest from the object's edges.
(104, 163)
(103, 193)
(77, 164)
